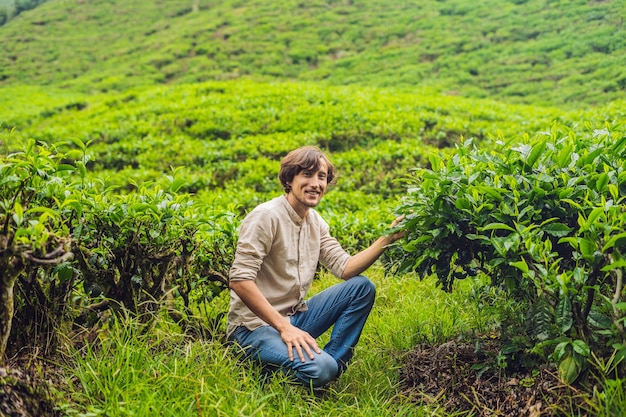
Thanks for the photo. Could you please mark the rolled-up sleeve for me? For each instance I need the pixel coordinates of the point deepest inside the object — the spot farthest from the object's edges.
(332, 255)
(254, 244)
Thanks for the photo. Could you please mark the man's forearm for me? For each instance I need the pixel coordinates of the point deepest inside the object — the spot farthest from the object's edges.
(364, 259)
(252, 297)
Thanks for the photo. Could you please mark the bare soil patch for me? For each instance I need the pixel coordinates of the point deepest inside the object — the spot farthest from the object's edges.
(446, 375)
(24, 394)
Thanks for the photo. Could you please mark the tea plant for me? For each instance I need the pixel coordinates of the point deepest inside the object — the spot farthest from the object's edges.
(34, 243)
(545, 220)
(569, 53)
(72, 248)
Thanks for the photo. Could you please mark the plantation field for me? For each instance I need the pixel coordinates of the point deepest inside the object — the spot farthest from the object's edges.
(570, 54)
(224, 139)
(205, 154)
(135, 137)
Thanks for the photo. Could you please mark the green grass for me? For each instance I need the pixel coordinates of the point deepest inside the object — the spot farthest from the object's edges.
(164, 373)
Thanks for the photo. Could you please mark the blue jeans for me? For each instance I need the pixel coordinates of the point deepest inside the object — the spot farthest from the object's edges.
(346, 306)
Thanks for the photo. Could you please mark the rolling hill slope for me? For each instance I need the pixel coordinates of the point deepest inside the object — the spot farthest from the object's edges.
(568, 53)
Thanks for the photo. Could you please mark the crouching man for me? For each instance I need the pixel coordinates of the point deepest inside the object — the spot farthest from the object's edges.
(280, 244)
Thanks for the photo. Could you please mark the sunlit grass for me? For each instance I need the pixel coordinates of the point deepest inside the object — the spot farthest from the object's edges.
(162, 372)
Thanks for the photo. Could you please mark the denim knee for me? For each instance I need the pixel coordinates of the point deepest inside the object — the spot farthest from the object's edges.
(368, 288)
(319, 371)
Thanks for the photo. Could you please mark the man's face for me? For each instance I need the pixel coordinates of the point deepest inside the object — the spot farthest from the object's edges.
(307, 189)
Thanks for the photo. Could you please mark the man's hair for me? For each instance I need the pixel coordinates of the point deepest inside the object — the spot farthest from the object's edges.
(306, 158)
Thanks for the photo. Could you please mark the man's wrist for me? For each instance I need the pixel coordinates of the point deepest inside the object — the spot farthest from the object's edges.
(282, 325)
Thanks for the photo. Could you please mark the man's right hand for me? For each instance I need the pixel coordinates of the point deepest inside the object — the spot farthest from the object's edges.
(290, 334)
(300, 340)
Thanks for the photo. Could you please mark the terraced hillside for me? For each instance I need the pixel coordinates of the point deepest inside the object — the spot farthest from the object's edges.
(567, 53)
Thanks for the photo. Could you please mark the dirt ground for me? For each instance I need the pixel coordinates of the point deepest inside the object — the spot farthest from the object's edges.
(445, 375)
(21, 395)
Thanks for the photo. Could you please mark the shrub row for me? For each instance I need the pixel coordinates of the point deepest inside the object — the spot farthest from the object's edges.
(71, 248)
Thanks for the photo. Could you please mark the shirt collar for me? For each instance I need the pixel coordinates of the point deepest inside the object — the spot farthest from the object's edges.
(290, 210)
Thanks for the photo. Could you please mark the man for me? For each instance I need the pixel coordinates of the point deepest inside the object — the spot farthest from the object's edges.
(280, 244)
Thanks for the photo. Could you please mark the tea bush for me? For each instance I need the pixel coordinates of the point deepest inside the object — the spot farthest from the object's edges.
(70, 247)
(34, 243)
(545, 220)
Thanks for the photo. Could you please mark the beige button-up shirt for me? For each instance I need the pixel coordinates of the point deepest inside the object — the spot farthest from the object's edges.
(280, 251)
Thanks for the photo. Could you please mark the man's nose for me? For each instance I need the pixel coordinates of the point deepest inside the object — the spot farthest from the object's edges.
(317, 183)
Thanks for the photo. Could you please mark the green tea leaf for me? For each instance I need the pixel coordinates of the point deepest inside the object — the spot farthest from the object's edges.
(521, 265)
(462, 204)
(602, 181)
(497, 226)
(594, 216)
(581, 348)
(619, 145)
(535, 153)
(18, 215)
(570, 368)
(540, 318)
(563, 314)
(587, 248)
(618, 241)
(599, 320)
(557, 229)
(620, 264)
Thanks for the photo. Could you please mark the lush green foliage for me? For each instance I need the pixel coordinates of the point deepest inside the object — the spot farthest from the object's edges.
(121, 192)
(231, 135)
(545, 220)
(33, 244)
(223, 143)
(532, 51)
(133, 250)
